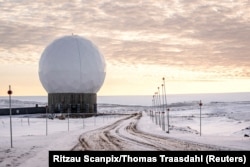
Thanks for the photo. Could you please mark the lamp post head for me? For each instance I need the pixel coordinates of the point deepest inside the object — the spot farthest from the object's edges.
(200, 104)
(9, 91)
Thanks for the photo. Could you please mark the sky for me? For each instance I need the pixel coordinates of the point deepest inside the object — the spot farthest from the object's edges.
(198, 46)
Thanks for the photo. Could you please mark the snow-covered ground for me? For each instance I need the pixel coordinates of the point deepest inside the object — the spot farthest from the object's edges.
(224, 123)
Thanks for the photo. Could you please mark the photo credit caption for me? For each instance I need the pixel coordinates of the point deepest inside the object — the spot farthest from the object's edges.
(154, 158)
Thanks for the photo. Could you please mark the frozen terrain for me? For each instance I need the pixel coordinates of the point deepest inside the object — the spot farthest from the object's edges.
(225, 126)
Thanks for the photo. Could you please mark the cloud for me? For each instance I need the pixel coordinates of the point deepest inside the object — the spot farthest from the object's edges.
(194, 35)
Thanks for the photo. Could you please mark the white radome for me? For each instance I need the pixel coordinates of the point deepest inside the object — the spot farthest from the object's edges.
(72, 64)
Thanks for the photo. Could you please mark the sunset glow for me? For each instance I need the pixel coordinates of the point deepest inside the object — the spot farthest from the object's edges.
(198, 46)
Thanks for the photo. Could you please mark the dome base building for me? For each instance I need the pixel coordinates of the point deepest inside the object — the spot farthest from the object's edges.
(76, 102)
(72, 70)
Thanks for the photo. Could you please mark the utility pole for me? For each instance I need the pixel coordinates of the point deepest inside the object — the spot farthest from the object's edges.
(10, 93)
(156, 106)
(200, 104)
(159, 97)
(68, 116)
(153, 108)
(46, 120)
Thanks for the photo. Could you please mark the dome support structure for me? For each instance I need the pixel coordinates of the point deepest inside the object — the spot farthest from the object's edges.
(75, 102)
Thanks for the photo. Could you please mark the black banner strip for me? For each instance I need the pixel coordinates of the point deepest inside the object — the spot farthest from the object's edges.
(152, 158)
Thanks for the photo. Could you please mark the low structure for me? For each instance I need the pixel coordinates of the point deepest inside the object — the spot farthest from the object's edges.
(76, 102)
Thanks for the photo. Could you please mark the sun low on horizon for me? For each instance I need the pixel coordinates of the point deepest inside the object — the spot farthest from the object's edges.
(197, 46)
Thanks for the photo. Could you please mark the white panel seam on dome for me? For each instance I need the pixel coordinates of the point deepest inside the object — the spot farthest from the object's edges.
(77, 45)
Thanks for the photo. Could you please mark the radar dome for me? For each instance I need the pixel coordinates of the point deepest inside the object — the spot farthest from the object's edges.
(72, 64)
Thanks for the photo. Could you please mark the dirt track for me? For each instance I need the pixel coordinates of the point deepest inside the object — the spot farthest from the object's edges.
(123, 135)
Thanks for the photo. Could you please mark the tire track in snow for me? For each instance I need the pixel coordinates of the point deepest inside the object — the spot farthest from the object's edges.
(100, 139)
(169, 143)
(124, 135)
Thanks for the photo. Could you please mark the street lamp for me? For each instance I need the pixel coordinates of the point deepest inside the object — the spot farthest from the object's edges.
(10, 93)
(154, 109)
(163, 108)
(165, 97)
(159, 96)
